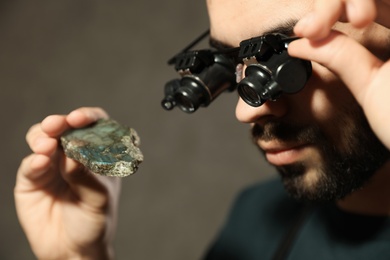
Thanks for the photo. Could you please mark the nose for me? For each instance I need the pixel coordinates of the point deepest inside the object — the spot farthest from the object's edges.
(269, 110)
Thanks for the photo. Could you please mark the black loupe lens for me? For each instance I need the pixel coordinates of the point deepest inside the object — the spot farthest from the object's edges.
(186, 102)
(252, 86)
(250, 95)
(168, 104)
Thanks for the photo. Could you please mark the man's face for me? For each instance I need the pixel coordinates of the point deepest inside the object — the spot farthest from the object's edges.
(318, 139)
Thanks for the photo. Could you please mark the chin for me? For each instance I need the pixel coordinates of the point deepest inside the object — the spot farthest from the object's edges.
(315, 184)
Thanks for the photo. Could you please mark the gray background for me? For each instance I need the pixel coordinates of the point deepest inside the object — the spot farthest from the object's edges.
(57, 55)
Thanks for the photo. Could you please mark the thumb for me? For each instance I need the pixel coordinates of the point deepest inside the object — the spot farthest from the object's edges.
(85, 186)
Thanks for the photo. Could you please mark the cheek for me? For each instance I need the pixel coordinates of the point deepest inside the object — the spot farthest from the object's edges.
(332, 106)
(313, 104)
(326, 95)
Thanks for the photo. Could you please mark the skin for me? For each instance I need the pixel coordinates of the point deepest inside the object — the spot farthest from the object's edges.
(56, 197)
(367, 78)
(369, 85)
(324, 102)
(52, 189)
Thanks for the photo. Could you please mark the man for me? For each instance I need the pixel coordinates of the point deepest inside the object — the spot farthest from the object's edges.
(329, 143)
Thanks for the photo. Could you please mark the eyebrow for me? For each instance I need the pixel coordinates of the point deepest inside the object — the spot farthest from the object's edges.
(286, 28)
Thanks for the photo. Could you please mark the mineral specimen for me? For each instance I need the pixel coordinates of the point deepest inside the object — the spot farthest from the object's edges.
(105, 147)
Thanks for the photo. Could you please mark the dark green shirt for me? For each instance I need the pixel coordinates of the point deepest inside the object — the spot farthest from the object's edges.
(264, 215)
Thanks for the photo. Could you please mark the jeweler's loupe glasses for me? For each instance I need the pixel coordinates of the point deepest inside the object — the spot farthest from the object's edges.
(270, 72)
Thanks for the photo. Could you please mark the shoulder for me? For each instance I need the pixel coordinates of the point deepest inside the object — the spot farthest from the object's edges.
(256, 223)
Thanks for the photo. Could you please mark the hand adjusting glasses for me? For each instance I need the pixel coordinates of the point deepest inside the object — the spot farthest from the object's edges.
(205, 74)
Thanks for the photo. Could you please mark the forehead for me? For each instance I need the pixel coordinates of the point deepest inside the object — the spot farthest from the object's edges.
(232, 21)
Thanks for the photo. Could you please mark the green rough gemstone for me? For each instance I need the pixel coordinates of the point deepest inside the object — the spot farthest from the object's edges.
(105, 147)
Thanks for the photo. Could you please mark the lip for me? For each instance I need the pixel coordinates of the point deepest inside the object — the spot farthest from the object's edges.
(279, 154)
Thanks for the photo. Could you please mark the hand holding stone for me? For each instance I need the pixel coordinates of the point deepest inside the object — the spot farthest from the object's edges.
(65, 211)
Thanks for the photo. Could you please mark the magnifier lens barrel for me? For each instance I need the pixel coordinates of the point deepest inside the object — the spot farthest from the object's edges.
(200, 89)
(252, 86)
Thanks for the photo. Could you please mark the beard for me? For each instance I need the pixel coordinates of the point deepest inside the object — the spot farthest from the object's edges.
(341, 169)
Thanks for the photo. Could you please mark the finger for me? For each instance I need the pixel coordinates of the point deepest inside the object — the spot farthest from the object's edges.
(54, 125)
(33, 133)
(317, 24)
(85, 116)
(44, 145)
(360, 13)
(353, 63)
(376, 105)
(40, 142)
(32, 167)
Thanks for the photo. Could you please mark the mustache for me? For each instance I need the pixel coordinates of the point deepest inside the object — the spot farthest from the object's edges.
(286, 132)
